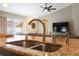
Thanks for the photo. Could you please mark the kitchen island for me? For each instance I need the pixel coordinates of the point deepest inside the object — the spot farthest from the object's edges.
(3, 38)
(32, 47)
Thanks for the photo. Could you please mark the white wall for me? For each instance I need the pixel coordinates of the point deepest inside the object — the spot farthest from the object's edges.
(75, 18)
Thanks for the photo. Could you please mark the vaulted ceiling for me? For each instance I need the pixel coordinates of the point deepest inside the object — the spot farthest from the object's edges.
(30, 9)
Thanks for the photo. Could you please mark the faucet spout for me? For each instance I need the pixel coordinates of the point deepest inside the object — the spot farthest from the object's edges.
(44, 30)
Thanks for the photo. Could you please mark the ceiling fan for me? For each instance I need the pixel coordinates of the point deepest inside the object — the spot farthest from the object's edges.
(48, 8)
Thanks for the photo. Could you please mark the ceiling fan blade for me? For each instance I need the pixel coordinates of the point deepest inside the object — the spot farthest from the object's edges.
(49, 7)
(49, 10)
(53, 9)
(42, 7)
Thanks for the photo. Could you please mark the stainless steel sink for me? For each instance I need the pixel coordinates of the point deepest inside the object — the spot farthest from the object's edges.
(27, 44)
(46, 47)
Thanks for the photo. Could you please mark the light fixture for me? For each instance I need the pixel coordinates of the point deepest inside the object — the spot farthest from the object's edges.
(5, 5)
(48, 8)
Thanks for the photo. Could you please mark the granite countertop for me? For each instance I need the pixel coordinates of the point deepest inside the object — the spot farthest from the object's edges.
(6, 35)
(31, 52)
(23, 51)
(65, 50)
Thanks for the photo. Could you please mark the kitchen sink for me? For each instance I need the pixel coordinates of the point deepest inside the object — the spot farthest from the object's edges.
(46, 47)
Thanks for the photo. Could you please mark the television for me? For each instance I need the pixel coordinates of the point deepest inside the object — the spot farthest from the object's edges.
(61, 27)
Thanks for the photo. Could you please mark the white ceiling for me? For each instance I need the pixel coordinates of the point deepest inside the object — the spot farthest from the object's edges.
(30, 9)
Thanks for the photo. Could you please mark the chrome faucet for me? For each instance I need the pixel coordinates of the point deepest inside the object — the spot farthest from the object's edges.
(44, 30)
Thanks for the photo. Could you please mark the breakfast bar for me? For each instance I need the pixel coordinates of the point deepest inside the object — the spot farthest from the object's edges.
(3, 38)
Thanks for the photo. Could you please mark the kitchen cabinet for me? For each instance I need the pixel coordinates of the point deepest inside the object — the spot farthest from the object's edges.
(3, 29)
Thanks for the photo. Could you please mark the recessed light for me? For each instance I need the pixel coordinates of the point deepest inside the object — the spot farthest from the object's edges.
(5, 5)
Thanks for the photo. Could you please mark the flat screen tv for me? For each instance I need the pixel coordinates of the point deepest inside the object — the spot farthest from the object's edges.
(60, 27)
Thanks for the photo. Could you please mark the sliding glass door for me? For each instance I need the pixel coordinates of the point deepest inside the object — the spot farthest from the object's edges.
(14, 26)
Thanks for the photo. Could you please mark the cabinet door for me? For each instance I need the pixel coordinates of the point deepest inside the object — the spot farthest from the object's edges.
(3, 29)
(3, 25)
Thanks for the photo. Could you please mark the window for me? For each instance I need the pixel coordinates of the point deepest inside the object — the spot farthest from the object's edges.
(14, 26)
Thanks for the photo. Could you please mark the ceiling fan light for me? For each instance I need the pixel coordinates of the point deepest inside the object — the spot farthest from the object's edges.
(48, 8)
(45, 10)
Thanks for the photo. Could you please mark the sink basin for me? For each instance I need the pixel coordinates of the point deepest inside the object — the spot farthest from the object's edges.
(47, 47)
(27, 44)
